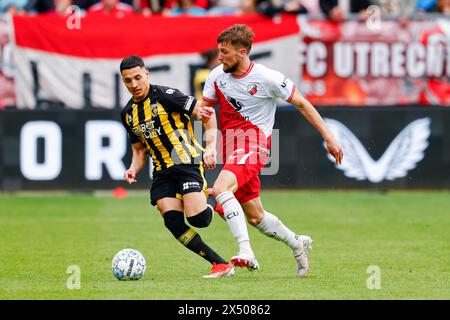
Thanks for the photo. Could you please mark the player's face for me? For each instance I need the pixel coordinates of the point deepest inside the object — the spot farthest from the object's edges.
(230, 57)
(136, 81)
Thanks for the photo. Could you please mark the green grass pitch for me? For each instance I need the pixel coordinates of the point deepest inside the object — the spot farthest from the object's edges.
(404, 234)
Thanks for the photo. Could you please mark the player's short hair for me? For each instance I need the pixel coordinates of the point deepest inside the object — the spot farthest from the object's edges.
(131, 62)
(209, 55)
(239, 35)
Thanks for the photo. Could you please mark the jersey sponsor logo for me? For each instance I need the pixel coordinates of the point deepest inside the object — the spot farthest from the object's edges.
(236, 104)
(148, 130)
(130, 118)
(252, 89)
(236, 116)
(188, 103)
(284, 84)
(170, 91)
(402, 155)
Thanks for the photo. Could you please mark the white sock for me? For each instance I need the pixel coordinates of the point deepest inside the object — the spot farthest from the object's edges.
(272, 227)
(234, 215)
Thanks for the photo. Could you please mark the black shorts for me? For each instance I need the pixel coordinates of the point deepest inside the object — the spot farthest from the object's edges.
(177, 181)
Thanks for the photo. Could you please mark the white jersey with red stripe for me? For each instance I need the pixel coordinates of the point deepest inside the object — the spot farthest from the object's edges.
(250, 100)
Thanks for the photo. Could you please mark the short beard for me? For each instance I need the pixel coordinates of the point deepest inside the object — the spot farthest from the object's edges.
(231, 69)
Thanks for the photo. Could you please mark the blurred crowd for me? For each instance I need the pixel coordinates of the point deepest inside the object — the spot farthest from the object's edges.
(336, 10)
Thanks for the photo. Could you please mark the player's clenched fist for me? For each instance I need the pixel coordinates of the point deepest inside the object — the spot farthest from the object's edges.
(130, 176)
(210, 157)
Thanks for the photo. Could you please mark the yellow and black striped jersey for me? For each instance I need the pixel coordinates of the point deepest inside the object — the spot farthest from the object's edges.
(161, 122)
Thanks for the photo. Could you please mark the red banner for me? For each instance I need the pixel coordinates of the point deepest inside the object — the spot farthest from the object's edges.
(108, 37)
(76, 63)
(395, 62)
(7, 95)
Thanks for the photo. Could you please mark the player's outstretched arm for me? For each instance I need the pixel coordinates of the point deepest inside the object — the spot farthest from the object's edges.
(137, 163)
(313, 117)
(205, 112)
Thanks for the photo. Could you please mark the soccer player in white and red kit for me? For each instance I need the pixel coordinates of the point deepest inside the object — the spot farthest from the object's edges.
(247, 94)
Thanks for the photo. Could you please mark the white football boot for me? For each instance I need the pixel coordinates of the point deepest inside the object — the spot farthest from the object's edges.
(301, 255)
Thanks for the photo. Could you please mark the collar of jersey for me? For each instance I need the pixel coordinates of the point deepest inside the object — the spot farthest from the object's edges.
(250, 67)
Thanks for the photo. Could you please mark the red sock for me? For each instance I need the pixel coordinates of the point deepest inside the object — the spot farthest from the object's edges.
(219, 210)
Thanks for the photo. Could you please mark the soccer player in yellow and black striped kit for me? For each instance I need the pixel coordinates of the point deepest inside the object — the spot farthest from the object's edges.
(157, 120)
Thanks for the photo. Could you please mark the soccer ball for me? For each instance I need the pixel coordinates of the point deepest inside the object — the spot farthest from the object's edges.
(128, 264)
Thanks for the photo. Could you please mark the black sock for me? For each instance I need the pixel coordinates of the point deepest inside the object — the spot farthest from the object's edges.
(188, 237)
(192, 240)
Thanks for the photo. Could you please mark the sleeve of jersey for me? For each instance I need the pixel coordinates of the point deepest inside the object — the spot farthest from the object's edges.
(281, 86)
(209, 90)
(176, 101)
(131, 136)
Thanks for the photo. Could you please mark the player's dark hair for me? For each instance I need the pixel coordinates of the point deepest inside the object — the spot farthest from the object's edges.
(131, 62)
(239, 35)
(210, 56)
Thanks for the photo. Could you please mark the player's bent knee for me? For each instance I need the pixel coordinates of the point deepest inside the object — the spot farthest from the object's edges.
(254, 221)
(202, 219)
(217, 190)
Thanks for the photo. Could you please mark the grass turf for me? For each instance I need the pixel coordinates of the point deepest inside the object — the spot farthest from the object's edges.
(405, 234)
